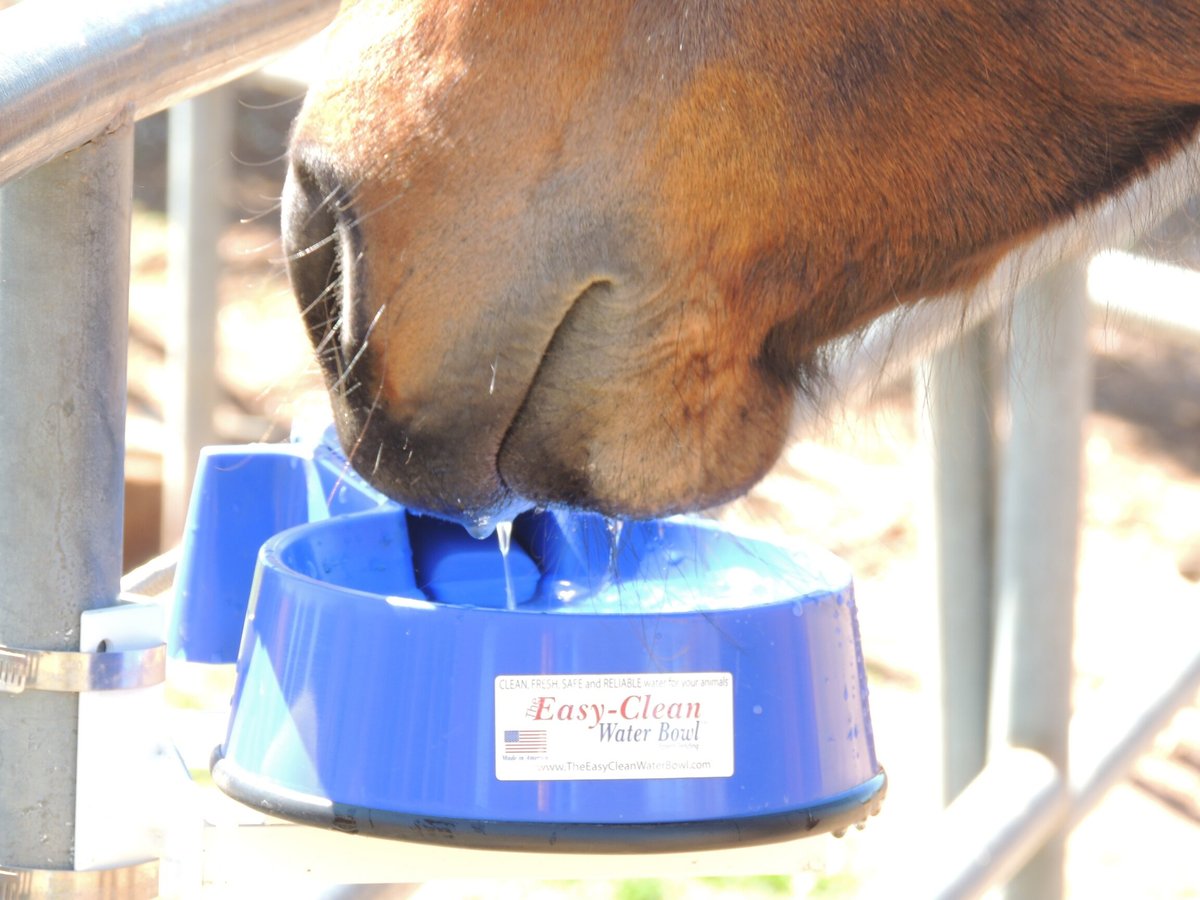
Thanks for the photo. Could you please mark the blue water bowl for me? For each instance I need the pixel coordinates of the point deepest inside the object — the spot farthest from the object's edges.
(658, 685)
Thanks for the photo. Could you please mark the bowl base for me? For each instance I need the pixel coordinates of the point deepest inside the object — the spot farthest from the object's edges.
(834, 814)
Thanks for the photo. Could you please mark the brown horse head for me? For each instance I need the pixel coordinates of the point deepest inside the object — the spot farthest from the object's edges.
(589, 253)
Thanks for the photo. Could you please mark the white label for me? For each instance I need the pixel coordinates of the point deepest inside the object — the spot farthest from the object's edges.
(587, 727)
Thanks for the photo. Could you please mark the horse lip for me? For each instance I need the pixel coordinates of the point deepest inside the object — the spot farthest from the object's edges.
(595, 287)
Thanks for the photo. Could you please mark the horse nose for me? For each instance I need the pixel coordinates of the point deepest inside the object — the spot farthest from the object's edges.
(321, 245)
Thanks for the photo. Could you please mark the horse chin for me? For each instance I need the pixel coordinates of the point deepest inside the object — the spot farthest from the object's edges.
(520, 482)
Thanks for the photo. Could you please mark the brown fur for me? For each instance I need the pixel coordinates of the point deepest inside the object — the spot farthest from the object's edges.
(592, 249)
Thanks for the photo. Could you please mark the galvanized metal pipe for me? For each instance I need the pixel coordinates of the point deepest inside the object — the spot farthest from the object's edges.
(64, 285)
(1037, 536)
(77, 77)
(1122, 722)
(1175, 240)
(1149, 297)
(981, 838)
(70, 71)
(199, 150)
(954, 399)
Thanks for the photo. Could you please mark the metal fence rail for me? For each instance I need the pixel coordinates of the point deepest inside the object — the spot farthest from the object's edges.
(71, 85)
(70, 73)
(1007, 525)
(73, 79)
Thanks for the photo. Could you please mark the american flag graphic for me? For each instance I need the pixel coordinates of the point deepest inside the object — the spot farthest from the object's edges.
(525, 742)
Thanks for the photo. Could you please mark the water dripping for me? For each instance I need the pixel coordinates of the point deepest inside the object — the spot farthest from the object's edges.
(504, 540)
(613, 527)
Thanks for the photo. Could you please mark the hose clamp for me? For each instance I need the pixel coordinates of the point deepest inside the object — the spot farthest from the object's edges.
(75, 671)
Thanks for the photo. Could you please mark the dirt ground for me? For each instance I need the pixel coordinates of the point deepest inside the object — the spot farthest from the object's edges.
(855, 488)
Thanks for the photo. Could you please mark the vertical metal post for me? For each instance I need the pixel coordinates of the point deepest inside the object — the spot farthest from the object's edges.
(1037, 537)
(199, 143)
(954, 397)
(64, 282)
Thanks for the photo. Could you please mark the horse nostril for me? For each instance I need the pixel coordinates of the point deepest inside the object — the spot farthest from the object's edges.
(319, 240)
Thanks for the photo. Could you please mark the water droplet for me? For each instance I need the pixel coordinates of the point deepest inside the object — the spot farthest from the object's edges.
(757, 710)
(480, 529)
(797, 609)
(840, 833)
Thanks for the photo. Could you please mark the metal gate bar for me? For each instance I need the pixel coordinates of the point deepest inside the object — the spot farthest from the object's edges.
(64, 280)
(1038, 534)
(1031, 602)
(955, 410)
(70, 71)
(199, 139)
(72, 81)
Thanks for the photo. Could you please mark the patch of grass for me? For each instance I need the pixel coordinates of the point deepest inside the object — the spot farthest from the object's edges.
(639, 889)
(761, 885)
(842, 884)
(661, 889)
